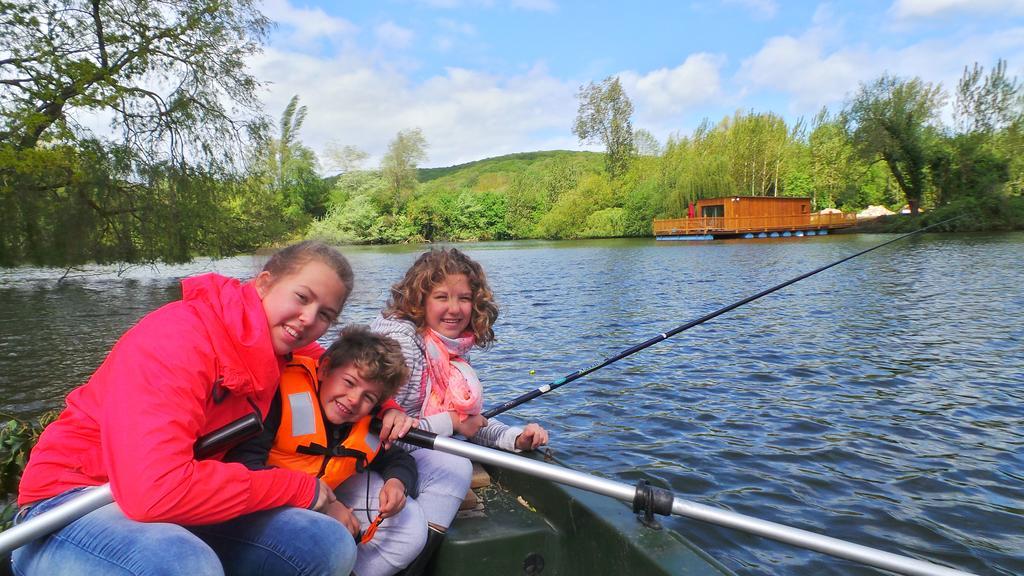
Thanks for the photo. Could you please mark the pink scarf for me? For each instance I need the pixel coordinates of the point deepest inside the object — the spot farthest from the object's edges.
(453, 383)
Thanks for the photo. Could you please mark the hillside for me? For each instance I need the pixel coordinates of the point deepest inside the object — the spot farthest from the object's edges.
(509, 163)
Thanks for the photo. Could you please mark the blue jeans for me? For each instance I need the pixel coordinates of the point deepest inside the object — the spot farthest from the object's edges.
(286, 541)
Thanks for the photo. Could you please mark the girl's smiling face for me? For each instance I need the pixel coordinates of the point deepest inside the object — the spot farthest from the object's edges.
(346, 396)
(449, 306)
(300, 306)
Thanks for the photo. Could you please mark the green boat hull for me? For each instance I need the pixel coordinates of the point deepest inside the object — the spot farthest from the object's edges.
(532, 526)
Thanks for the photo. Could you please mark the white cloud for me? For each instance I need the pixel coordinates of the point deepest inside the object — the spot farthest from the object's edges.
(451, 32)
(812, 70)
(802, 68)
(761, 8)
(307, 24)
(456, 27)
(665, 93)
(465, 115)
(392, 35)
(915, 9)
(535, 5)
(444, 4)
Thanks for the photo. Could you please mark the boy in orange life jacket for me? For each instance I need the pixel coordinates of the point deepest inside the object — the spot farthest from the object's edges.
(319, 423)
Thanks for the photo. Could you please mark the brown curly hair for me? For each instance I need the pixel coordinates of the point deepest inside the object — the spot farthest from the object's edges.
(409, 296)
(378, 357)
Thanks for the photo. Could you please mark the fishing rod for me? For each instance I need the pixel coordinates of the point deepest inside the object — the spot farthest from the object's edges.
(682, 328)
(654, 500)
(94, 498)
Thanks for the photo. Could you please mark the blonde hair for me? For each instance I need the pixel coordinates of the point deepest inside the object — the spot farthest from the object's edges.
(377, 357)
(409, 295)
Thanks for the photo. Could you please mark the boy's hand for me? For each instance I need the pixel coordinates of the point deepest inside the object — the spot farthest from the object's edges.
(324, 497)
(343, 514)
(531, 437)
(468, 427)
(392, 498)
(394, 425)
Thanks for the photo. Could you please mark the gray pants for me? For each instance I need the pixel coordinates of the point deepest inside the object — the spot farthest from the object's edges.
(444, 481)
(398, 539)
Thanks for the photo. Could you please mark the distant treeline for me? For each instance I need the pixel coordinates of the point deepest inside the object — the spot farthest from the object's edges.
(198, 168)
(888, 146)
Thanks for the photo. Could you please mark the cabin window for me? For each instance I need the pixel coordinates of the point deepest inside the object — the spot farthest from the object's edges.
(713, 211)
(803, 208)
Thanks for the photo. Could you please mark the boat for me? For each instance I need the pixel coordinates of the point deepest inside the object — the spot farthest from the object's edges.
(528, 525)
(751, 217)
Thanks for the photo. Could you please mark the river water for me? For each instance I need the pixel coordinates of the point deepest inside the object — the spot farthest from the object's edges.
(880, 401)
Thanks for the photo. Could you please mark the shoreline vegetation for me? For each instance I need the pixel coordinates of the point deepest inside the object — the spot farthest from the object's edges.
(17, 437)
(202, 169)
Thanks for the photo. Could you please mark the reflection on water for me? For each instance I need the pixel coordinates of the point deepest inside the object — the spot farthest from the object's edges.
(878, 402)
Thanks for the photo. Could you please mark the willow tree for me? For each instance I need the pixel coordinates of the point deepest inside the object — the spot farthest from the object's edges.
(892, 120)
(831, 159)
(169, 77)
(695, 167)
(604, 117)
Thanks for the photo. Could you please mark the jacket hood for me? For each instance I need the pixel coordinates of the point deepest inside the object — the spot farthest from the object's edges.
(233, 315)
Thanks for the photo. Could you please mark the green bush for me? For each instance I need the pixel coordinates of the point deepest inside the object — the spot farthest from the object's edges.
(607, 223)
(17, 438)
(968, 214)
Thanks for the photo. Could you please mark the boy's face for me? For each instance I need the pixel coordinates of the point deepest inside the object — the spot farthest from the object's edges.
(346, 396)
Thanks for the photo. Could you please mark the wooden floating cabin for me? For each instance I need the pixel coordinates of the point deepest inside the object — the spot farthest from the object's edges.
(751, 217)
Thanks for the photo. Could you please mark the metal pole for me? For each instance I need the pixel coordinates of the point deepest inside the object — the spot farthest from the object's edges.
(94, 498)
(55, 519)
(626, 493)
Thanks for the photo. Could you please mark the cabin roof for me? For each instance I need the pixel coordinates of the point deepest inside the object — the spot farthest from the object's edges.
(784, 198)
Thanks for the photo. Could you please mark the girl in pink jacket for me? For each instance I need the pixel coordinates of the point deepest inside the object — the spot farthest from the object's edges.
(184, 370)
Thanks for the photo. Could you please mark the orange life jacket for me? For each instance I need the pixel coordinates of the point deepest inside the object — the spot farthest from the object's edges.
(301, 442)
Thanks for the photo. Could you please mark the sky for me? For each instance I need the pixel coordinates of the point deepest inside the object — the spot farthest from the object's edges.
(483, 78)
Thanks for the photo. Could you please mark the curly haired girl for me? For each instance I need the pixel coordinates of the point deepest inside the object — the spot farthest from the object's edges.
(438, 312)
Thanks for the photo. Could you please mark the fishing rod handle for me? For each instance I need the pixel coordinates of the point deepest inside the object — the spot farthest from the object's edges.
(415, 436)
(229, 435)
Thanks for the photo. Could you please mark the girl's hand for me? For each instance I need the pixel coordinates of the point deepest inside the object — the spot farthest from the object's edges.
(394, 425)
(343, 514)
(531, 437)
(324, 497)
(392, 498)
(468, 427)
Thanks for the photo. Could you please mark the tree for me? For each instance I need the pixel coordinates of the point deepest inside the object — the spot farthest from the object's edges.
(171, 76)
(831, 156)
(293, 169)
(757, 147)
(646, 144)
(891, 120)
(604, 117)
(987, 104)
(344, 159)
(398, 167)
